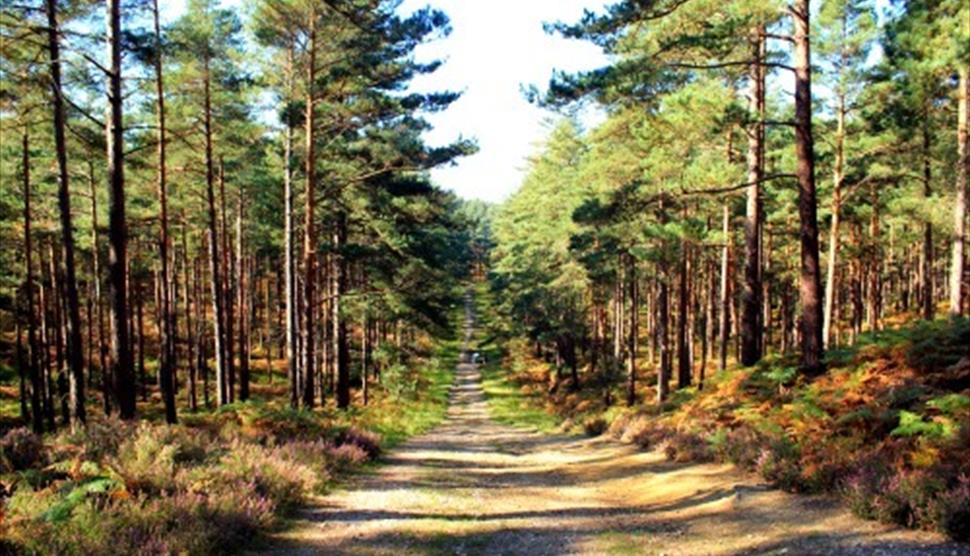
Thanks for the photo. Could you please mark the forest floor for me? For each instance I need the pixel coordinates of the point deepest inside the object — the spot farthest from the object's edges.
(474, 486)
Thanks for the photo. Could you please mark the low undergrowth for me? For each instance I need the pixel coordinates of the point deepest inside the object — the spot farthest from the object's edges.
(887, 427)
(208, 485)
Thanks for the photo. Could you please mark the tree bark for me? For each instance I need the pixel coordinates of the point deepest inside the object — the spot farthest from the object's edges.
(75, 357)
(219, 338)
(342, 352)
(683, 296)
(926, 269)
(837, 178)
(809, 281)
(33, 357)
(190, 294)
(228, 287)
(960, 206)
(631, 382)
(167, 355)
(242, 298)
(751, 302)
(309, 235)
(725, 324)
(96, 278)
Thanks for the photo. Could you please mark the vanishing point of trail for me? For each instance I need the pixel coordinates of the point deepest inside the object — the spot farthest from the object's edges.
(473, 486)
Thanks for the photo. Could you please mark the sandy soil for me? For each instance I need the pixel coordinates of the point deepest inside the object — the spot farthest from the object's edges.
(473, 486)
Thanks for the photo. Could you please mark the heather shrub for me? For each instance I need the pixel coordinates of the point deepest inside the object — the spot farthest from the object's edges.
(271, 473)
(98, 439)
(685, 447)
(779, 464)
(905, 498)
(949, 512)
(21, 449)
(147, 461)
(860, 489)
(367, 441)
(345, 456)
(315, 455)
(741, 446)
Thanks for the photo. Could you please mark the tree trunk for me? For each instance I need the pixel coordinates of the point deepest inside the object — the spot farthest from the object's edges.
(926, 269)
(837, 177)
(215, 282)
(74, 346)
(809, 282)
(190, 295)
(631, 373)
(751, 309)
(167, 355)
(121, 361)
(309, 235)
(242, 298)
(342, 352)
(960, 206)
(33, 357)
(683, 296)
(725, 324)
(228, 287)
(96, 278)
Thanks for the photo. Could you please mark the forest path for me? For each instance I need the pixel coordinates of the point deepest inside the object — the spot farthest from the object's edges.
(473, 486)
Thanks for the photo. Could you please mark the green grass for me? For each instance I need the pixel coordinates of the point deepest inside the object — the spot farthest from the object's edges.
(506, 402)
(398, 419)
(509, 406)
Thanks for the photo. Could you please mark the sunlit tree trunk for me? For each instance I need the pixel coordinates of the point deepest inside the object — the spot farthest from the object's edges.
(957, 263)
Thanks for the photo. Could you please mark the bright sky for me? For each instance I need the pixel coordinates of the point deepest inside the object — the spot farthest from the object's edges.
(495, 47)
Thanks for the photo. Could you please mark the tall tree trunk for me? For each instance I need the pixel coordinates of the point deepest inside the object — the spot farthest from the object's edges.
(631, 381)
(342, 352)
(74, 346)
(167, 355)
(837, 177)
(122, 368)
(725, 304)
(215, 282)
(365, 356)
(190, 295)
(960, 206)
(33, 358)
(140, 331)
(292, 323)
(242, 298)
(926, 269)
(309, 234)
(683, 297)
(809, 282)
(229, 287)
(96, 278)
(751, 309)
(42, 300)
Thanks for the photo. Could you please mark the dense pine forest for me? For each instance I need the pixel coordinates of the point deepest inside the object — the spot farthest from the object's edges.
(229, 281)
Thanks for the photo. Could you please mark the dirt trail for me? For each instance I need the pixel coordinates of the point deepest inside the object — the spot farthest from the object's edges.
(473, 486)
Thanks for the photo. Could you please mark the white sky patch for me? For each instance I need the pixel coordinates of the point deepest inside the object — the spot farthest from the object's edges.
(496, 47)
